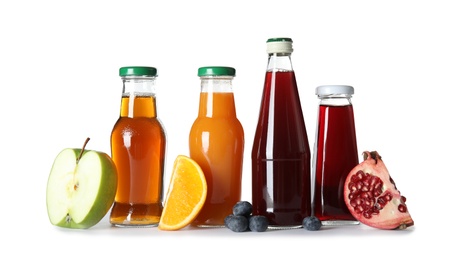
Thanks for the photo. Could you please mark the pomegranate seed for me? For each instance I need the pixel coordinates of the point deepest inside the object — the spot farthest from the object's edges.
(352, 186)
(388, 197)
(359, 185)
(365, 195)
(359, 209)
(354, 178)
(353, 203)
(374, 181)
(377, 193)
(359, 201)
(360, 175)
(367, 214)
(402, 208)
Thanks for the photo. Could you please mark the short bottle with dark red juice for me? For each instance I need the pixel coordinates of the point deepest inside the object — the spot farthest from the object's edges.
(335, 153)
(281, 154)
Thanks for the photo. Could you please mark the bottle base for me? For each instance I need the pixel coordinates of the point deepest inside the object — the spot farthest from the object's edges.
(275, 227)
(209, 226)
(339, 222)
(136, 215)
(133, 225)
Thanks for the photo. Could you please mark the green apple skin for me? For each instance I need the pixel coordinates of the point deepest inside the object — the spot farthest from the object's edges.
(79, 194)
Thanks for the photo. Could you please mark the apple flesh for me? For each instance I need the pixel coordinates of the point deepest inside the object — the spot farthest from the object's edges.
(81, 188)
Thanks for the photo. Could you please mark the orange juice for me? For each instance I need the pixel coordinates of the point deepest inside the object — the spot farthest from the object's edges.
(216, 143)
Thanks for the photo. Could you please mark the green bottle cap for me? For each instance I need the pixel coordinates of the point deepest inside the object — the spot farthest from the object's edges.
(137, 71)
(216, 71)
(280, 40)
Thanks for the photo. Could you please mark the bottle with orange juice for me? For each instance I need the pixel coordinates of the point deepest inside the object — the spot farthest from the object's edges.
(216, 143)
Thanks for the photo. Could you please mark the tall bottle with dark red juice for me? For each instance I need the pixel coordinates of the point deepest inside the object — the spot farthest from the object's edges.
(335, 153)
(281, 152)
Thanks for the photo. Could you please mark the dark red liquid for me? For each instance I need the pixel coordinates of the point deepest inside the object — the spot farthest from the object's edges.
(336, 156)
(281, 154)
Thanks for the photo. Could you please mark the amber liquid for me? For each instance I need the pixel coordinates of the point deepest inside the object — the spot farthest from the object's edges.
(281, 155)
(138, 144)
(336, 155)
(216, 143)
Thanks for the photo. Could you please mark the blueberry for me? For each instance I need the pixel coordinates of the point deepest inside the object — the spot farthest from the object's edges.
(311, 223)
(258, 223)
(236, 223)
(242, 208)
(227, 218)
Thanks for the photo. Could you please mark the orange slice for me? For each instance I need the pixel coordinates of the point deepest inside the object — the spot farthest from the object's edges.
(186, 194)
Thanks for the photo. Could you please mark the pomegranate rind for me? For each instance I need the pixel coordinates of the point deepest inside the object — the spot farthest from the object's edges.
(382, 216)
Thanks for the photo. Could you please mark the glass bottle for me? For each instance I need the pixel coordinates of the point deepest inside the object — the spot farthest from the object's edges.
(138, 147)
(281, 152)
(216, 143)
(335, 153)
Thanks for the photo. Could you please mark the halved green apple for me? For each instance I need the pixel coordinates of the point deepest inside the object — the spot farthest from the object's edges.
(81, 188)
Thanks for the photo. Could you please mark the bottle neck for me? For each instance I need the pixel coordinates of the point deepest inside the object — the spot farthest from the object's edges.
(335, 100)
(216, 97)
(138, 97)
(279, 62)
(142, 86)
(216, 84)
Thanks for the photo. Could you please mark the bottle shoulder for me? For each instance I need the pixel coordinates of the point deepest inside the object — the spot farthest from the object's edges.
(221, 124)
(138, 123)
(217, 120)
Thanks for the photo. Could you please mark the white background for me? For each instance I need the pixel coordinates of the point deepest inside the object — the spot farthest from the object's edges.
(59, 64)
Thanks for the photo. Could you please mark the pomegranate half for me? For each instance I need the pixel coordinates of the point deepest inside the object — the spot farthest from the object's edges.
(372, 197)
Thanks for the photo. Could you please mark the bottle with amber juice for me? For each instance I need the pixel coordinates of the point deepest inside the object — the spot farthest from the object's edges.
(138, 147)
(335, 153)
(281, 153)
(216, 143)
